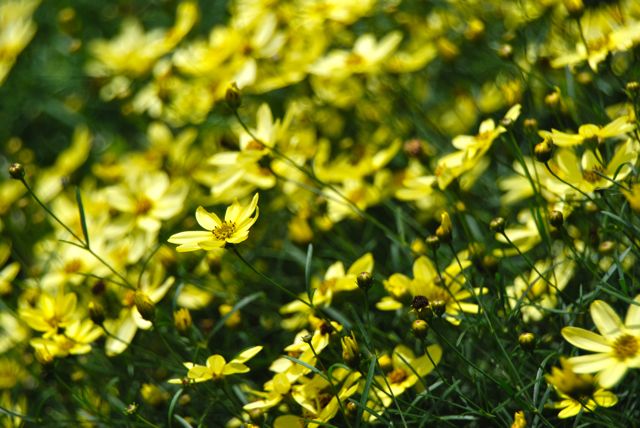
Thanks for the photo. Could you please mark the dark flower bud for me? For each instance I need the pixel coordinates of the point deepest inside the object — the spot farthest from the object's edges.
(497, 224)
(16, 171)
(364, 280)
(556, 219)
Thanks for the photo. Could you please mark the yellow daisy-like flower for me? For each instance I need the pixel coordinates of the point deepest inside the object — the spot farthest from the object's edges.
(577, 391)
(617, 128)
(217, 367)
(234, 229)
(617, 347)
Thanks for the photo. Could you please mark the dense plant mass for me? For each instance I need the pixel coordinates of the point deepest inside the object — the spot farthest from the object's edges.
(305, 213)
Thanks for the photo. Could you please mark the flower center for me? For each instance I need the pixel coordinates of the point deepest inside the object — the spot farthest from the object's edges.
(626, 346)
(129, 298)
(73, 266)
(224, 231)
(397, 375)
(143, 206)
(593, 175)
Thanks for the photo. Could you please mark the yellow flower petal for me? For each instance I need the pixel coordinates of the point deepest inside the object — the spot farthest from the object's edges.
(216, 364)
(206, 219)
(585, 339)
(606, 320)
(591, 363)
(611, 375)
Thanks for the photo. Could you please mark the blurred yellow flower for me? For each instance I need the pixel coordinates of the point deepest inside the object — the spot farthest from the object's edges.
(577, 391)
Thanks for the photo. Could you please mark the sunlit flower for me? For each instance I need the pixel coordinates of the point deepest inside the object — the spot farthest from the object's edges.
(617, 347)
(590, 132)
(217, 367)
(234, 229)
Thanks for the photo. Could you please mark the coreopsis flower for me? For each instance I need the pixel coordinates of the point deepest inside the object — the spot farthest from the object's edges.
(535, 293)
(318, 399)
(17, 28)
(617, 347)
(577, 392)
(403, 370)
(76, 339)
(335, 280)
(153, 287)
(51, 313)
(590, 172)
(217, 367)
(471, 149)
(234, 229)
(590, 132)
(447, 289)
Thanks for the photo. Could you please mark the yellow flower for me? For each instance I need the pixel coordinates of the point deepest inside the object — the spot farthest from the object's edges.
(426, 282)
(406, 368)
(317, 398)
(335, 280)
(471, 149)
(75, 340)
(534, 294)
(617, 347)
(122, 330)
(233, 230)
(590, 132)
(217, 367)
(577, 391)
(633, 196)
(51, 313)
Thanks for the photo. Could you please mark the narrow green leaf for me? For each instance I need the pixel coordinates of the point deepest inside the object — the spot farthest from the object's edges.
(172, 406)
(307, 272)
(83, 220)
(365, 392)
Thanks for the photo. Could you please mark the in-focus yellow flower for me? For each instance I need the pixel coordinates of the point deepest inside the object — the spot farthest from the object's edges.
(217, 367)
(233, 230)
(577, 391)
(617, 347)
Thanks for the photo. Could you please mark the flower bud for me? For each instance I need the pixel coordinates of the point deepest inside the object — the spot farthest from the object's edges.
(606, 247)
(633, 87)
(497, 224)
(364, 280)
(574, 7)
(16, 171)
(527, 341)
(233, 97)
(530, 124)
(350, 351)
(145, 306)
(182, 320)
(420, 305)
(543, 150)
(433, 242)
(505, 51)
(96, 312)
(443, 232)
(556, 219)
(438, 307)
(420, 328)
